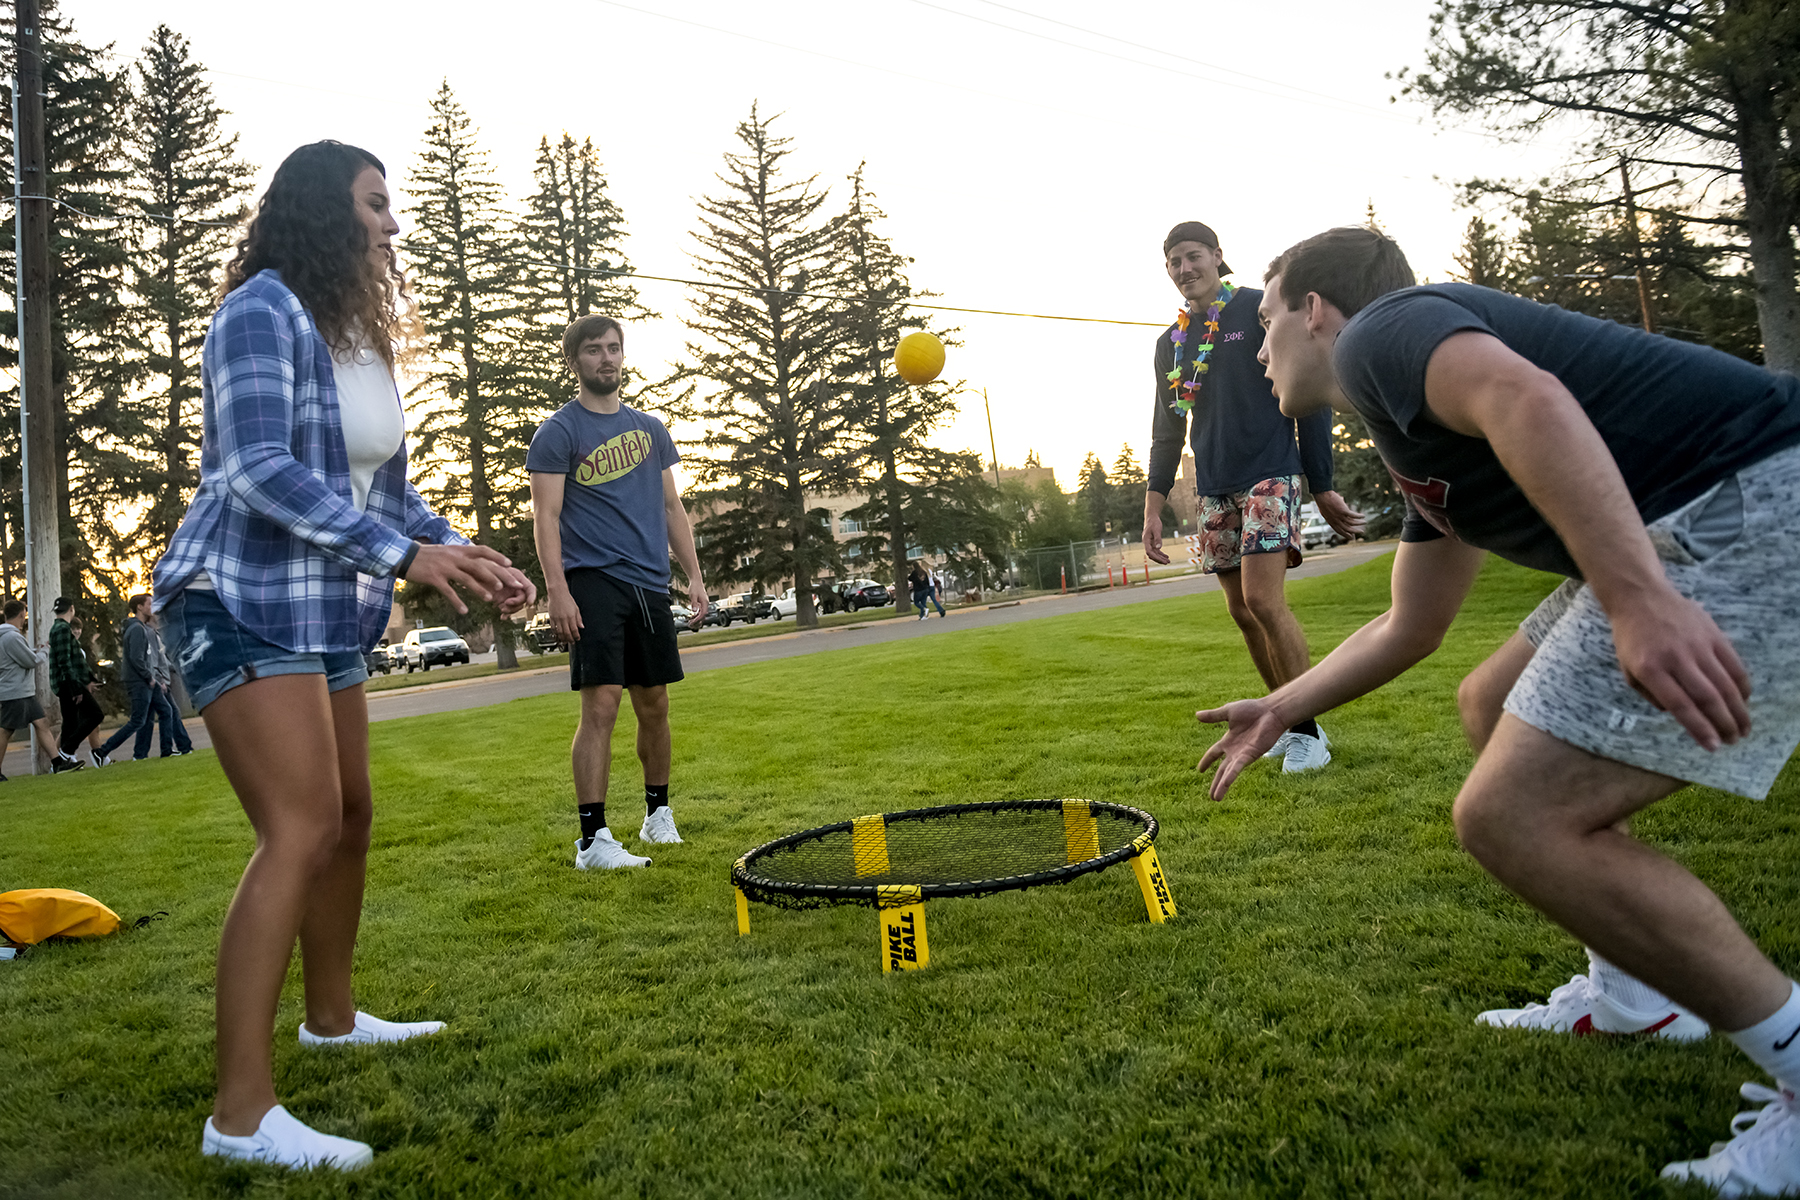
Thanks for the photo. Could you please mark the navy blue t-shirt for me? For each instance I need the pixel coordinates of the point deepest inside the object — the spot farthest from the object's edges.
(612, 515)
(1238, 434)
(1677, 417)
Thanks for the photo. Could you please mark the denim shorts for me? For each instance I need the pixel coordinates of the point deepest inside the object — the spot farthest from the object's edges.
(215, 652)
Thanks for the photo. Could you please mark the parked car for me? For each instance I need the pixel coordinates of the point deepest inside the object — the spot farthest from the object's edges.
(716, 614)
(1316, 531)
(543, 635)
(379, 661)
(748, 607)
(825, 600)
(435, 647)
(863, 593)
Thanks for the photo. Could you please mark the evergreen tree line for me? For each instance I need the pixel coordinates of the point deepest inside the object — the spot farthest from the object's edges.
(787, 368)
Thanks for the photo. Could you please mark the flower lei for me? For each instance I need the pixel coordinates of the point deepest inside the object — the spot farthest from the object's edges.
(1184, 390)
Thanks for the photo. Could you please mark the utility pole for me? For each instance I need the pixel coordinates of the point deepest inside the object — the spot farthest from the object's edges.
(1637, 249)
(995, 459)
(37, 410)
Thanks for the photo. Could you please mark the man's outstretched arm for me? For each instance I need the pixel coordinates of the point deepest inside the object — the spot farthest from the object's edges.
(1671, 650)
(1430, 582)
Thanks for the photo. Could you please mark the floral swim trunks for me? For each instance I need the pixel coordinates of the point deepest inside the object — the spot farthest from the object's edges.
(1263, 520)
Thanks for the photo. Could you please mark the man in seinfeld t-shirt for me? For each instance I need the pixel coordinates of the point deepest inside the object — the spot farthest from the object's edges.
(1662, 480)
(607, 515)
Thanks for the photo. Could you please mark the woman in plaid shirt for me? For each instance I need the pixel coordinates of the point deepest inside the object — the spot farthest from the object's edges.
(281, 574)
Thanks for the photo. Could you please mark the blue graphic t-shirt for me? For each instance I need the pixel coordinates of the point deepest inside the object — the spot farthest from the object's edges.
(612, 515)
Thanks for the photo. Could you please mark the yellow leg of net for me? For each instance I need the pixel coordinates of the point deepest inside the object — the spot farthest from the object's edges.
(1155, 886)
(743, 911)
(902, 913)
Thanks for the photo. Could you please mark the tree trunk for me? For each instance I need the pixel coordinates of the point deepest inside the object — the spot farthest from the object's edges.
(897, 537)
(1769, 221)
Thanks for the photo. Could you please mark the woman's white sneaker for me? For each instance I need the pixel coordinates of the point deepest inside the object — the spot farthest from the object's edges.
(282, 1141)
(1763, 1156)
(371, 1029)
(1580, 1008)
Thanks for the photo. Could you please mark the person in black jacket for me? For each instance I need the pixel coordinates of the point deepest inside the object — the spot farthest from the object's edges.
(135, 673)
(1248, 460)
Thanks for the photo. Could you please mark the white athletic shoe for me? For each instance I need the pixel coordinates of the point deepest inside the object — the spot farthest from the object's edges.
(604, 853)
(1763, 1156)
(371, 1029)
(659, 827)
(1280, 748)
(1305, 753)
(1578, 1007)
(285, 1142)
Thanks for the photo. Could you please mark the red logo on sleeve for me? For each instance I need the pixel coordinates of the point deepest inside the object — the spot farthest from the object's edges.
(1429, 499)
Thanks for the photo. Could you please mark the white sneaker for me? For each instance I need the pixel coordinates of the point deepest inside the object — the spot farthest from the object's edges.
(1280, 748)
(285, 1142)
(1763, 1156)
(1305, 753)
(604, 853)
(371, 1029)
(1578, 1007)
(659, 826)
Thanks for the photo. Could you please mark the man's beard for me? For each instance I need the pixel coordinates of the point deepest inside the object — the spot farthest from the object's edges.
(603, 387)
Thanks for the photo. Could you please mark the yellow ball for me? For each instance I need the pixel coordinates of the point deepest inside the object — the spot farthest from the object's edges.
(919, 358)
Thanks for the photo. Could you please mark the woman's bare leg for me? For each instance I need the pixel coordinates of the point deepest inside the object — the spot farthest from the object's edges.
(328, 932)
(276, 740)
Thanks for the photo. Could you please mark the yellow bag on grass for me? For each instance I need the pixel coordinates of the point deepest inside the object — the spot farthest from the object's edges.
(30, 915)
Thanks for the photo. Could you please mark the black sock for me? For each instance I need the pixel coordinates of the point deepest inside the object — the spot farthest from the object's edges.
(1309, 727)
(656, 795)
(593, 820)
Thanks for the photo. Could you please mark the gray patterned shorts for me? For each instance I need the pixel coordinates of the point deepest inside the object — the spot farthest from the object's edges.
(1736, 551)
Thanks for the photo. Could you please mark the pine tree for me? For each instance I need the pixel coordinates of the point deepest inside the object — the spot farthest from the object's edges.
(574, 237)
(897, 418)
(476, 403)
(769, 351)
(1128, 483)
(187, 187)
(1094, 495)
(97, 426)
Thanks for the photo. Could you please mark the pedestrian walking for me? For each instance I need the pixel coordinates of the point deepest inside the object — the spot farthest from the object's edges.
(163, 710)
(134, 673)
(73, 682)
(19, 704)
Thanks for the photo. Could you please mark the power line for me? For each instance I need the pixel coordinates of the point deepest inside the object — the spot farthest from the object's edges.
(697, 283)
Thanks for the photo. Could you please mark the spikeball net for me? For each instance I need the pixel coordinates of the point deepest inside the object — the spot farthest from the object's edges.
(894, 862)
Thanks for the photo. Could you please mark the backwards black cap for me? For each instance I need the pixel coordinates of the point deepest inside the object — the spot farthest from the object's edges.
(1193, 231)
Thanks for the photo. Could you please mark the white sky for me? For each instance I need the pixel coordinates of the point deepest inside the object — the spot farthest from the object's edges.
(1019, 173)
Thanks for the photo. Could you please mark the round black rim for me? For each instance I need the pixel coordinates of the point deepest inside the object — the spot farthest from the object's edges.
(756, 887)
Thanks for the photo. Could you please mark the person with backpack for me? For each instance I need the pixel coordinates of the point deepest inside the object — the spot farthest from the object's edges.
(279, 577)
(134, 672)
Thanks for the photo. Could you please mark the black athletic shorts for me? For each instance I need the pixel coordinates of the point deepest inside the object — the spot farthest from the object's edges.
(17, 714)
(627, 634)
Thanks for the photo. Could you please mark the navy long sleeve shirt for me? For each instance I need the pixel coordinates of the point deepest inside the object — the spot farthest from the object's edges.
(1238, 434)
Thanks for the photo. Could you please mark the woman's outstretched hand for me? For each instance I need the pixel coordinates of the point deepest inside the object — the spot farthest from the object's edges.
(1251, 728)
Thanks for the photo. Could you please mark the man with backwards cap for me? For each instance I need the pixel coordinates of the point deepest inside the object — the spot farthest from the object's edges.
(1247, 466)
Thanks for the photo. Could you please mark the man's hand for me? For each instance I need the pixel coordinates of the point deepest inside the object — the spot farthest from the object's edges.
(1153, 539)
(1253, 728)
(487, 573)
(1339, 515)
(520, 591)
(698, 601)
(1681, 661)
(565, 616)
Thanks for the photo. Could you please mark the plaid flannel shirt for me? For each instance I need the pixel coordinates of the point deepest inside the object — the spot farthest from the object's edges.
(273, 523)
(68, 661)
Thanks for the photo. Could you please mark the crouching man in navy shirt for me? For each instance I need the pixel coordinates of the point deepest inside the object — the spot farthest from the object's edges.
(1662, 479)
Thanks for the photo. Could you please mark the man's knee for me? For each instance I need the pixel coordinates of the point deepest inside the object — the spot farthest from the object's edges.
(599, 708)
(1267, 604)
(1479, 704)
(650, 704)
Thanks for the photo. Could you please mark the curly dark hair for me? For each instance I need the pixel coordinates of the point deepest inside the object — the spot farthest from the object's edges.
(306, 227)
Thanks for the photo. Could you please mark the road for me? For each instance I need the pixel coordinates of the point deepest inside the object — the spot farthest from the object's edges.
(497, 689)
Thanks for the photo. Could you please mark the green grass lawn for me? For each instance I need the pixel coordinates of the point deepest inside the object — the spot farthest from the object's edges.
(1305, 1028)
